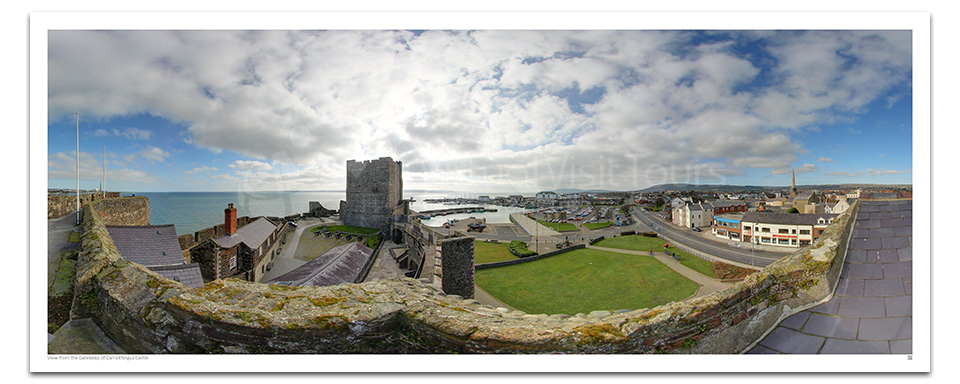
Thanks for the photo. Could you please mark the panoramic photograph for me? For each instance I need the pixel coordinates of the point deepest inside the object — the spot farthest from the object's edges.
(705, 192)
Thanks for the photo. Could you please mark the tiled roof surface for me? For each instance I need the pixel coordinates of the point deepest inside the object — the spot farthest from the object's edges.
(188, 274)
(787, 218)
(872, 308)
(251, 235)
(338, 265)
(147, 245)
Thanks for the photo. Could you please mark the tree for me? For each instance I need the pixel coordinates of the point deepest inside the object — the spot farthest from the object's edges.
(659, 202)
(793, 210)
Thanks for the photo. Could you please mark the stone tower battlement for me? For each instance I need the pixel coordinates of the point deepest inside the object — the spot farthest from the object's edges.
(374, 190)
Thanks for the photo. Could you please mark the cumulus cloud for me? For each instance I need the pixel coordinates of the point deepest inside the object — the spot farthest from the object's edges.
(251, 165)
(154, 154)
(63, 165)
(620, 107)
(204, 169)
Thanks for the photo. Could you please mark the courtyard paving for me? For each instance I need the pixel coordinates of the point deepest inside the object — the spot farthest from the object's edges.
(872, 308)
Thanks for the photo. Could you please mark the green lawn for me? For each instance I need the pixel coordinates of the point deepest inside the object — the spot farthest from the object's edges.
(585, 280)
(484, 252)
(644, 244)
(559, 227)
(597, 225)
(74, 237)
(348, 229)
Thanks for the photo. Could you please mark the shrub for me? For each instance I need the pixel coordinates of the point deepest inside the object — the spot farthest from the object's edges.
(519, 249)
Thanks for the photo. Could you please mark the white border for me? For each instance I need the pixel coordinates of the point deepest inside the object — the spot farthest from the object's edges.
(919, 22)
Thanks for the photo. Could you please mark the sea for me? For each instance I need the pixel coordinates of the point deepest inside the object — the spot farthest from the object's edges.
(193, 211)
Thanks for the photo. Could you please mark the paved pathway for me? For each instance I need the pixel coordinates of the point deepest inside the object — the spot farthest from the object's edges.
(285, 262)
(58, 231)
(384, 267)
(686, 237)
(485, 298)
(707, 285)
(872, 308)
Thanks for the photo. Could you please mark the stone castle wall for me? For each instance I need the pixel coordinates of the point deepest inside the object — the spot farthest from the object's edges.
(456, 263)
(145, 313)
(374, 189)
(123, 210)
(59, 205)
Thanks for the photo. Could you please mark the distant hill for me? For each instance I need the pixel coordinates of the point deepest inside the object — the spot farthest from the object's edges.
(574, 190)
(747, 188)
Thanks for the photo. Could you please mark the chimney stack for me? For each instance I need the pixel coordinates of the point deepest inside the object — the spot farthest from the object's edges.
(230, 219)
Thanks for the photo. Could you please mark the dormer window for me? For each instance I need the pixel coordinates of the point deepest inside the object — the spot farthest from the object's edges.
(820, 221)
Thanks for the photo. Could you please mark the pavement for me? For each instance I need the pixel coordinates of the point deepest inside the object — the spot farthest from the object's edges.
(58, 231)
(871, 311)
(384, 267)
(285, 261)
(743, 256)
(707, 284)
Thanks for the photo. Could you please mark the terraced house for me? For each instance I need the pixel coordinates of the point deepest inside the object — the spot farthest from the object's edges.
(242, 253)
(783, 229)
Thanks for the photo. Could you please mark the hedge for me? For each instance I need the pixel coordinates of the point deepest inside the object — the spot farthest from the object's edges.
(519, 249)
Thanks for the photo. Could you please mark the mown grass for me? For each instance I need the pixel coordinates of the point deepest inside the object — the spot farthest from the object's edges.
(585, 280)
(597, 225)
(559, 227)
(484, 252)
(645, 244)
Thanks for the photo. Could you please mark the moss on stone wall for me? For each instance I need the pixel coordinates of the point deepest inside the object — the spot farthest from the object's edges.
(144, 312)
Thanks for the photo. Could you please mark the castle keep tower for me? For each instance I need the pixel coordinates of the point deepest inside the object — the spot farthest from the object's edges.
(374, 191)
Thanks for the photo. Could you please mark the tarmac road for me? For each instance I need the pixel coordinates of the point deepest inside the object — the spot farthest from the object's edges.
(694, 240)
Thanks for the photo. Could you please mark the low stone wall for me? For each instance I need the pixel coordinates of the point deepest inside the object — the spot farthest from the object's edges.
(130, 210)
(526, 259)
(59, 205)
(145, 313)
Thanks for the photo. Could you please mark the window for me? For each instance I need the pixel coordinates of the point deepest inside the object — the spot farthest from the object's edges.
(804, 231)
(804, 243)
(233, 262)
(793, 231)
(765, 240)
(783, 241)
(783, 230)
(765, 229)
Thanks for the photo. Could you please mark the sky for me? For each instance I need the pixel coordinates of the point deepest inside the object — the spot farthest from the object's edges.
(490, 111)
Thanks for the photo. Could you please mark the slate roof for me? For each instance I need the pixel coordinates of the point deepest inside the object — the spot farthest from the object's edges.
(786, 218)
(336, 266)
(251, 235)
(147, 245)
(871, 310)
(724, 203)
(188, 274)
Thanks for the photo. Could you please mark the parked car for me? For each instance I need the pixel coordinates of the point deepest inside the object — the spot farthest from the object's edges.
(695, 229)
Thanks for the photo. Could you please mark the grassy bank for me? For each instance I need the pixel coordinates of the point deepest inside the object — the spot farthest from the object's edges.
(645, 244)
(585, 280)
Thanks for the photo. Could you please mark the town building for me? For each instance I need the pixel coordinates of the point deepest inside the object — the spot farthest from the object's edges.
(692, 215)
(727, 225)
(155, 247)
(242, 253)
(546, 195)
(783, 229)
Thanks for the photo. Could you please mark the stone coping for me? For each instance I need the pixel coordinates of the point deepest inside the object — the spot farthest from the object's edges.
(146, 313)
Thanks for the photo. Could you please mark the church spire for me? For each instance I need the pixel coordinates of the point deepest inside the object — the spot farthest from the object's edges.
(793, 183)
